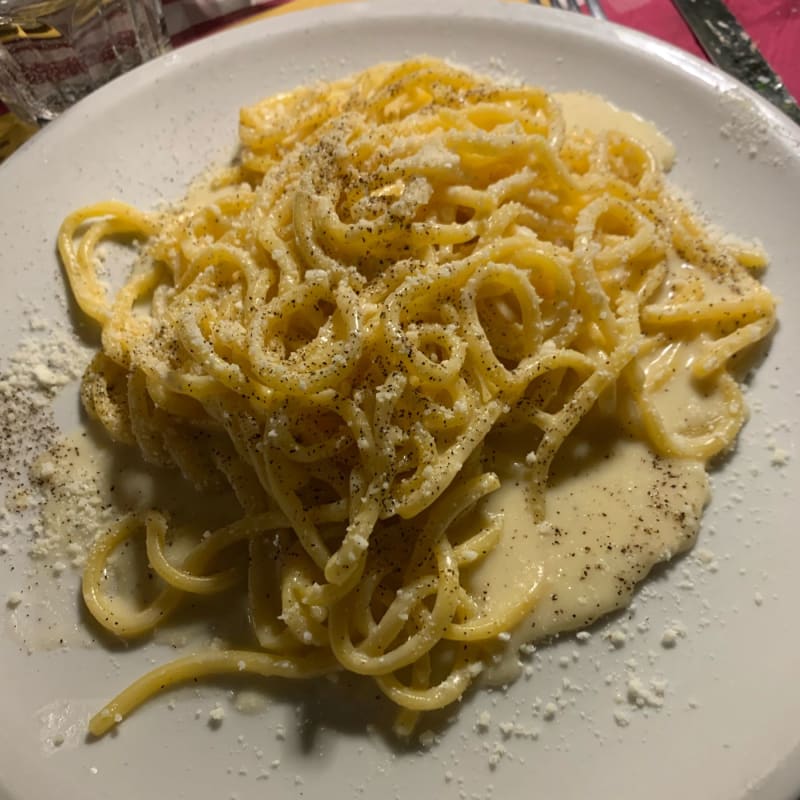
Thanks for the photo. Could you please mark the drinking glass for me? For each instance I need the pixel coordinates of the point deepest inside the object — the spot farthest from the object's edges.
(53, 52)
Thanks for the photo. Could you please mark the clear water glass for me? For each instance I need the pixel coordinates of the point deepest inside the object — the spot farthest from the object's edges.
(54, 52)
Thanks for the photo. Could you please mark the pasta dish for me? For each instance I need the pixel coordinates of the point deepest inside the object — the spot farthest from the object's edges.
(407, 279)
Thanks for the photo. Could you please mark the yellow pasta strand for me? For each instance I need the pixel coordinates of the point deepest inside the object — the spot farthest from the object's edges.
(398, 265)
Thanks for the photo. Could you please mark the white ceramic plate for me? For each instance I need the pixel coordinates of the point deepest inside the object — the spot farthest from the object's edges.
(730, 724)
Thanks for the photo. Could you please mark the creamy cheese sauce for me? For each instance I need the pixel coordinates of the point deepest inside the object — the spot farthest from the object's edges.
(683, 406)
(585, 111)
(680, 398)
(614, 510)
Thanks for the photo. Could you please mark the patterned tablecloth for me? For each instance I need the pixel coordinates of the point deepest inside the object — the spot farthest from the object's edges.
(774, 25)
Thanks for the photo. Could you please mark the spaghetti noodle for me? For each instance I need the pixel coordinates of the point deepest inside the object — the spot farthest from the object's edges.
(399, 265)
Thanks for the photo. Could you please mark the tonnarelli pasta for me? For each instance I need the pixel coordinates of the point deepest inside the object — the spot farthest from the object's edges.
(399, 265)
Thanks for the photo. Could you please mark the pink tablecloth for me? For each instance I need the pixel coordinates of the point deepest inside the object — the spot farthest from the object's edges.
(774, 26)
